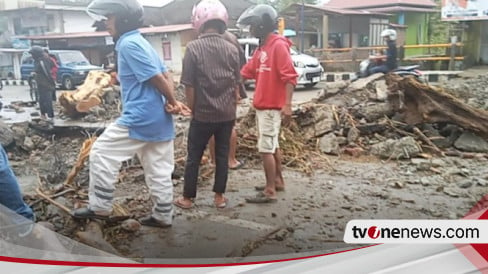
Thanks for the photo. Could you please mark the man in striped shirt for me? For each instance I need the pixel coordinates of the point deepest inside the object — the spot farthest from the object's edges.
(211, 75)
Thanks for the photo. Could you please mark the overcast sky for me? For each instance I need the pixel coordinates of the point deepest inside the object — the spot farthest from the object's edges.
(154, 3)
(160, 3)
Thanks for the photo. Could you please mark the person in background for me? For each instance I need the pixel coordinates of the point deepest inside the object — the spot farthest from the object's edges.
(390, 59)
(211, 77)
(145, 127)
(54, 70)
(272, 68)
(45, 82)
(233, 162)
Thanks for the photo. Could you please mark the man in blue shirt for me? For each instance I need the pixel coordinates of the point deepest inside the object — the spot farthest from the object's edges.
(389, 35)
(145, 127)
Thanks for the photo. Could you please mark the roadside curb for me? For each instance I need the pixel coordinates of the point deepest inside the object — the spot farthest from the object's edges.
(432, 76)
(15, 83)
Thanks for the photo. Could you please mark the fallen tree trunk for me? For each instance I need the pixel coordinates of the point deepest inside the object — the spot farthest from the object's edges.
(421, 103)
(87, 95)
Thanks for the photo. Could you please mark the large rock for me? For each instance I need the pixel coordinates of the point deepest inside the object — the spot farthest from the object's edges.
(20, 131)
(404, 148)
(331, 144)
(7, 137)
(471, 143)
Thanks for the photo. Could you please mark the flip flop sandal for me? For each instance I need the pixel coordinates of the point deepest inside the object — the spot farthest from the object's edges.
(261, 188)
(222, 204)
(240, 165)
(179, 204)
(86, 213)
(261, 198)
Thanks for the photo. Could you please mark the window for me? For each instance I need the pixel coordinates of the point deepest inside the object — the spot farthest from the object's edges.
(167, 51)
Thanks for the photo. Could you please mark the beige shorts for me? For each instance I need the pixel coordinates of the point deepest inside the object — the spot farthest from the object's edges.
(269, 123)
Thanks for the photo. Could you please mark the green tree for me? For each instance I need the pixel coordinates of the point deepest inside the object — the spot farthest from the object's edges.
(438, 29)
(282, 4)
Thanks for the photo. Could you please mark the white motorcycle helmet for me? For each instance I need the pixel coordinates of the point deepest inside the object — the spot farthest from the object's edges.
(390, 33)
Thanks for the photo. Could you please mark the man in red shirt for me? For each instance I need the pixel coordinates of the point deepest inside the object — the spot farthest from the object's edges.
(272, 68)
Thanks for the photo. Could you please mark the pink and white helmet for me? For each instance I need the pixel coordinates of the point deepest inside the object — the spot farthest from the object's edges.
(208, 10)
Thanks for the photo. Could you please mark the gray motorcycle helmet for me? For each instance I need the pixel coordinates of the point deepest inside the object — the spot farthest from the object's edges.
(262, 17)
(128, 13)
(36, 52)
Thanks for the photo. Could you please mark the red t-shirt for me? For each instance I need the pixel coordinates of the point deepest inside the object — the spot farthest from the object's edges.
(54, 69)
(272, 67)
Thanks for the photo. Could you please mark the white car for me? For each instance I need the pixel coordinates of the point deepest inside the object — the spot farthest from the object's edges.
(308, 68)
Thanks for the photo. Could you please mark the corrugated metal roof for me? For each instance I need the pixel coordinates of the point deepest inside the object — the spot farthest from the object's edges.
(334, 10)
(157, 29)
(402, 8)
(376, 3)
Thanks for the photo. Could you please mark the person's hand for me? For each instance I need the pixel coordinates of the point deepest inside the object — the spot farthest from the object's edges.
(177, 108)
(286, 114)
(184, 109)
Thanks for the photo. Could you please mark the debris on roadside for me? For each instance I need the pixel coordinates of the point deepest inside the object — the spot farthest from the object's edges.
(386, 117)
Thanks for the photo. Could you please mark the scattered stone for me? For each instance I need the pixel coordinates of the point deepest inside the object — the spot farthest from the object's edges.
(353, 135)
(273, 215)
(425, 181)
(131, 225)
(438, 162)
(421, 164)
(398, 185)
(451, 192)
(466, 184)
(481, 182)
(471, 143)
(330, 144)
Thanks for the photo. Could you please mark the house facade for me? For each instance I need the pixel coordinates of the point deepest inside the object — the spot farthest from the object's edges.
(472, 28)
(64, 24)
(410, 16)
(333, 27)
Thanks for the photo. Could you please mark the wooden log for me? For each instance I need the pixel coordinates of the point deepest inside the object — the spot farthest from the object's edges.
(427, 141)
(86, 96)
(420, 103)
(80, 162)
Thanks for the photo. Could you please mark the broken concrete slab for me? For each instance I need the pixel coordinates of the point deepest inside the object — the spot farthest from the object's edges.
(381, 90)
(373, 111)
(316, 122)
(405, 148)
(361, 83)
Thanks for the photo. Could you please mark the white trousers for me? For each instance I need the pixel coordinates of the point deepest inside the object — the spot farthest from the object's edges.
(107, 154)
